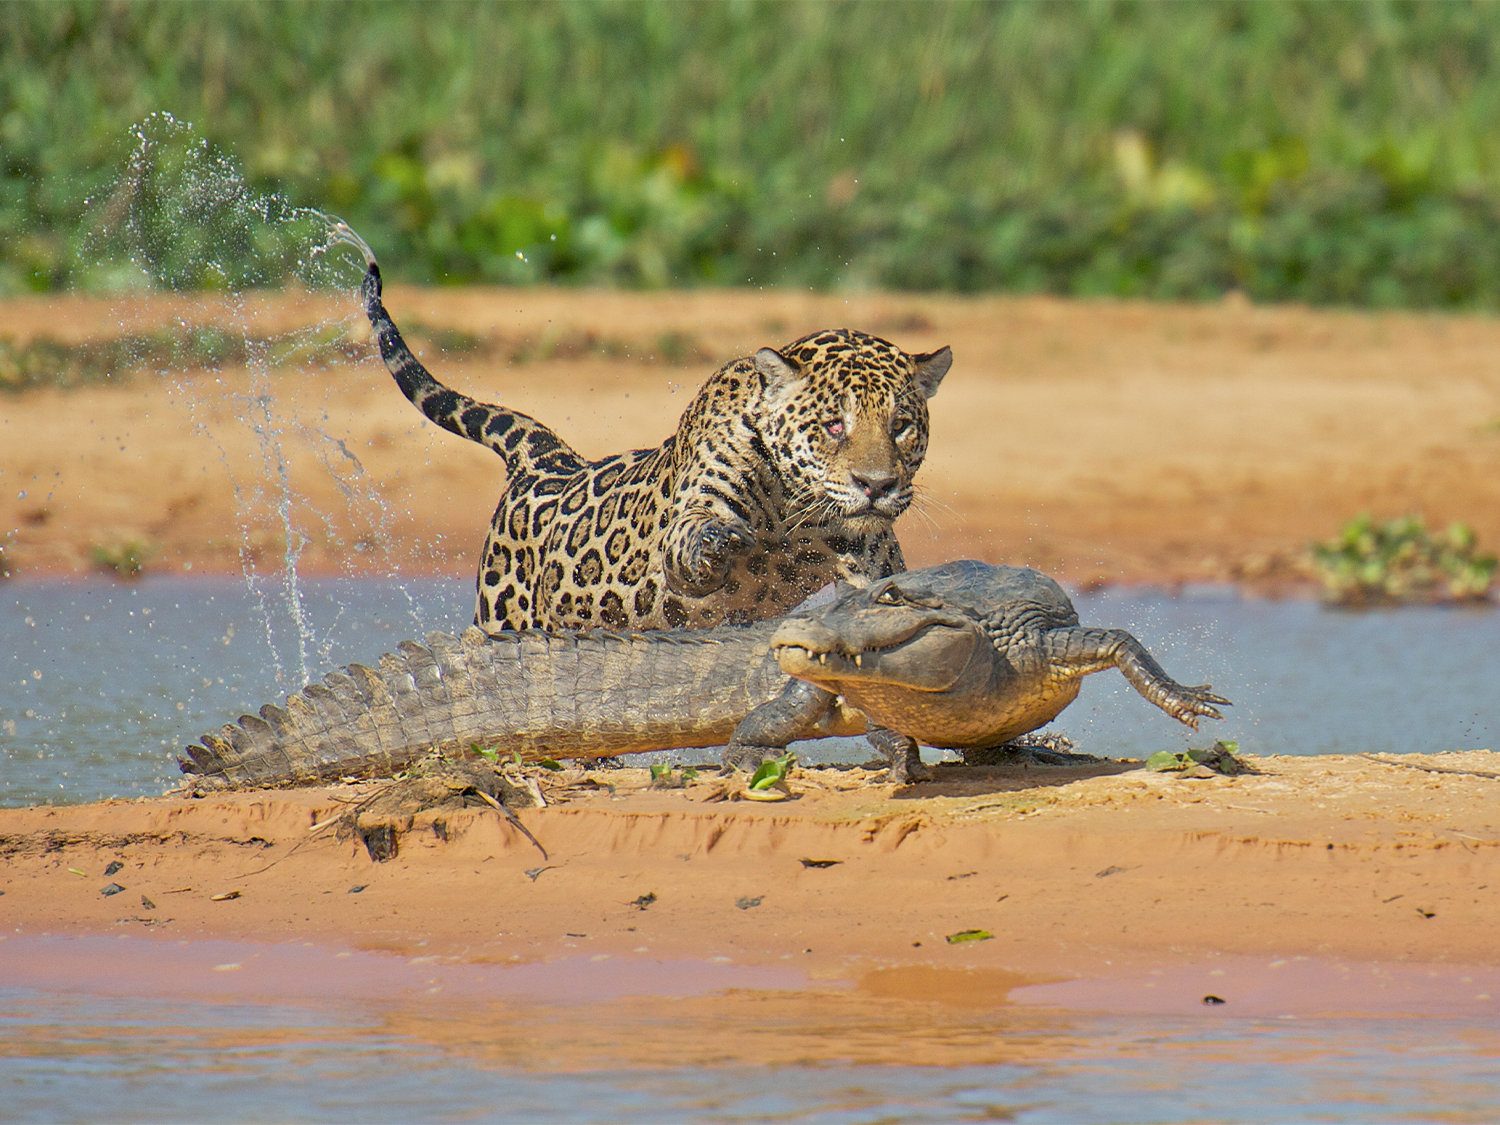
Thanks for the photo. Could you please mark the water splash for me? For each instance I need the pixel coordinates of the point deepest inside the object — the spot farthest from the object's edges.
(182, 217)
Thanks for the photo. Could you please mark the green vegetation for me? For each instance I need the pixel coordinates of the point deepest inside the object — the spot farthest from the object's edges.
(124, 560)
(47, 362)
(1400, 561)
(772, 774)
(665, 776)
(1220, 758)
(968, 935)
(1331, 153)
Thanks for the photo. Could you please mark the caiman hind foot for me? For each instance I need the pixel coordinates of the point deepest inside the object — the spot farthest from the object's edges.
(433, 785)
(747, 758)
(903, 754)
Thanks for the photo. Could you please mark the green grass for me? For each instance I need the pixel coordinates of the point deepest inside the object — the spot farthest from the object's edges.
(1332, 153)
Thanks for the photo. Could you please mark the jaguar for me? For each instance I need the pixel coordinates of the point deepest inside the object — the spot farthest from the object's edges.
(786, 472)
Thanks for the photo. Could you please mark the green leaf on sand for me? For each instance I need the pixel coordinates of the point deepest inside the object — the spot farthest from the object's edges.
(772, 773)
(969, 935)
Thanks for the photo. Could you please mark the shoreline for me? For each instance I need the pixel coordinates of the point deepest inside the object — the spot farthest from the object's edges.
(1071, 869)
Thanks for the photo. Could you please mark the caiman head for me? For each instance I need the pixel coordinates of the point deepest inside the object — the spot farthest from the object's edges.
(947, 655)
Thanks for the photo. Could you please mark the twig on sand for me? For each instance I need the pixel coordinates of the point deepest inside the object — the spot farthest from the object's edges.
(285, 855)
(1433, 769)
(514, 819)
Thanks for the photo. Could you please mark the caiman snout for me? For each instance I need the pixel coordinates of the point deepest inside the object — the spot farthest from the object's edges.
(927, 655)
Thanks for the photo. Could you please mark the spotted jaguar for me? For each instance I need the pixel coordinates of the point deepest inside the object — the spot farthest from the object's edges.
(785, 473)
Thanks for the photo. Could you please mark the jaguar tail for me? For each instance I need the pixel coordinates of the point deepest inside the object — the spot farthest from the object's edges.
(524, 443)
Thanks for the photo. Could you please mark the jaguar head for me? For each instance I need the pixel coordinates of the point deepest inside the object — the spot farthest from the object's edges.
(847, 423)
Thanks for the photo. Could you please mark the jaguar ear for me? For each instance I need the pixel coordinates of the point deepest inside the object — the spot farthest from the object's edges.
(778, 371)
(931, 368)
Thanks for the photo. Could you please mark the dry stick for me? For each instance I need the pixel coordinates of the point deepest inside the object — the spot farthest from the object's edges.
(262, 870)
(322, 824)
(514, 819)
(1433, 769)
(316, 828)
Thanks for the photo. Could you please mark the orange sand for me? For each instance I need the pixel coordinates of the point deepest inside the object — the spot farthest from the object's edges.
(1099, 441)
(1339, 857)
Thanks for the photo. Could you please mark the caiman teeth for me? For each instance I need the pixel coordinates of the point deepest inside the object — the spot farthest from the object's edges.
(822, 657)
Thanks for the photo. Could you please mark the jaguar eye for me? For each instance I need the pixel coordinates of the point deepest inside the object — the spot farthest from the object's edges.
(889, 596)
(902, 426)
(835, 429)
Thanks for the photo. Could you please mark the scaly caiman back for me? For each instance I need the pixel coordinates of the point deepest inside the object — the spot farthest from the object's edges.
(560, 695)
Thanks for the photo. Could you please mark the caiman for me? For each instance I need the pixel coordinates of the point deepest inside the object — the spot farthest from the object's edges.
(962, 655)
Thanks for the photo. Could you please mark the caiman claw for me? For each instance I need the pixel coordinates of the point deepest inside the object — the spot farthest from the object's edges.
(1189, 704)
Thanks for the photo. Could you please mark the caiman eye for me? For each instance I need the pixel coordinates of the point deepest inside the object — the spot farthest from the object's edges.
(835, 429)
(890, 596)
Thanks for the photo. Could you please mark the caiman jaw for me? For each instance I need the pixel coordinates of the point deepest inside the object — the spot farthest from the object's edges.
(931, 659)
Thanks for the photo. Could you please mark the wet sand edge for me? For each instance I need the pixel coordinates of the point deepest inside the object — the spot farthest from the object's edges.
(1326, 857)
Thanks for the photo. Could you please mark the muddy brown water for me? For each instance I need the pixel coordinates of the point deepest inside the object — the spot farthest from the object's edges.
(131, 1029)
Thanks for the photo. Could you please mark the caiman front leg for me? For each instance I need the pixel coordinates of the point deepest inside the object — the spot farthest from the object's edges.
(1076, 652)
(794, 714)
(765, 732)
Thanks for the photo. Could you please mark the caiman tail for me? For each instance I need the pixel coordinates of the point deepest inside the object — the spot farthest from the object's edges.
(557, 695)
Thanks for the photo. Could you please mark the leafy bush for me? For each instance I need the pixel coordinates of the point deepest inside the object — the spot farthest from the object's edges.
(124, 560)
(46, 362)
(1304, 151)
(1400, 561)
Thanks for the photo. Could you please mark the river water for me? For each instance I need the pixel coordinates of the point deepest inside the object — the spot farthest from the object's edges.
(131, 1029)
(102, 683)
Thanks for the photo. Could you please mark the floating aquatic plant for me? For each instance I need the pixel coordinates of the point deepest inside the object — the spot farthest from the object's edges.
(1401, 561)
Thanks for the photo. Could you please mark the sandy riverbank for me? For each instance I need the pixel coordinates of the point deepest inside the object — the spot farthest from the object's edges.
(1098, 441)
(1069, 869)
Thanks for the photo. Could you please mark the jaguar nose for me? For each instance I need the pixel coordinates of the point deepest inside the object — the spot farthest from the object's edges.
(875, 485)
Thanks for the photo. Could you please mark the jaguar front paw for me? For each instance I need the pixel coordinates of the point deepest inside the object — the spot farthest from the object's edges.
(703, 563)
